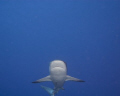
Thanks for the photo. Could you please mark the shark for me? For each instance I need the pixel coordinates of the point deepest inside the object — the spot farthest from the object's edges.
(58, 75)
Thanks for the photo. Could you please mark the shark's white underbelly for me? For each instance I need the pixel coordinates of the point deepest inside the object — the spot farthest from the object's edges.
(58, 76)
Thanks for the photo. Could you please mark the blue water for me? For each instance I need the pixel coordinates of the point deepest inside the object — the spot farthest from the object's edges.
(83, 33)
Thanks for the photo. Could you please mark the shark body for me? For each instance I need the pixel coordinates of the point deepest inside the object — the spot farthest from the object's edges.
(58, 75)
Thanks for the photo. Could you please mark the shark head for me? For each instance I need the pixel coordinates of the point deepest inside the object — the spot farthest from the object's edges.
(57, 63)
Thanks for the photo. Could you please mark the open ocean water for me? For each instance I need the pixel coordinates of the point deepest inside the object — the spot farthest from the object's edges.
(83, 33)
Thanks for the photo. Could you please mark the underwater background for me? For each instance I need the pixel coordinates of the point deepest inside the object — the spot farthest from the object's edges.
(83, 33)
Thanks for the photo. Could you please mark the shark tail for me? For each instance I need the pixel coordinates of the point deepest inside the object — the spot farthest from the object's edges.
(49, 90)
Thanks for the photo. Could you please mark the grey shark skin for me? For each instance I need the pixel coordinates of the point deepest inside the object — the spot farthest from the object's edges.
(58, 75)
(49, 90)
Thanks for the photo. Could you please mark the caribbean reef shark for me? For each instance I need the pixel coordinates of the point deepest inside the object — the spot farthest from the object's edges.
(58, 75)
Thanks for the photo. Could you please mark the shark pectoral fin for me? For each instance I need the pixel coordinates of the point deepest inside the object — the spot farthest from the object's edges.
(43, 80)
(62, 88)
(49, 90)
(73, 79)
